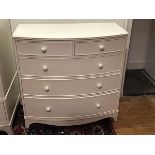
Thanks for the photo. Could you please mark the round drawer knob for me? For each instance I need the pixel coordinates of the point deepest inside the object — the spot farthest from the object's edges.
(98, 106)
(45, 68)
(100, 65)
(48, 109)
(101, 47)
(46, 88)
(43, 49)
(99, 85)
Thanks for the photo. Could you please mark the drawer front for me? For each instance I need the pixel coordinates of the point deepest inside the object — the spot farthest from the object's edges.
(70, 87)
(71, 107)
(99, 46)
(2, 113)
(70, 67)
(45, 48)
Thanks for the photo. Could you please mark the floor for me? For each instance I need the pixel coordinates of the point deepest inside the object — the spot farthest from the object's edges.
(137, 108)
(136, 116)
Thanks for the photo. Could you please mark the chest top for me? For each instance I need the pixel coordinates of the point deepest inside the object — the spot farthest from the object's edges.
(68, 31)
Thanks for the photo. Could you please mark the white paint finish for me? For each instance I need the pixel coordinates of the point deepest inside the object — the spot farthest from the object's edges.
(12, 97)
(7, 128)
(150, 57)
(70, 67)
(140, 36)
(72, 107)
(16, 22)
(128, 24)
(61, 122)
(99, 46)
(70, 86)
(68, 31)
(2, 113)
(45, 48)
(76, 67)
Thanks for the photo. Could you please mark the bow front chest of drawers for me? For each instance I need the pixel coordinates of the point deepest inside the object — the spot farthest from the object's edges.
(70, 73)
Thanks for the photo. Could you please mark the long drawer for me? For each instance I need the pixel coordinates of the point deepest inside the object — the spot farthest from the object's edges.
(2, 113)
(99, 46)
(44, 48)
(71, 107)
(70, 67)
(70, 86)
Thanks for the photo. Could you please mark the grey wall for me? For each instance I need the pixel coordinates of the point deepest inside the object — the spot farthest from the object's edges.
(150, 57)
(140, 36)
(7, 59)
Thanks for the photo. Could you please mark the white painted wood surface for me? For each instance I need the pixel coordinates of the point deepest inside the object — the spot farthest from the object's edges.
(45, 48)
(68, 31)
(99, 46)
(88, 65)
(74, 86)
(70, 67)
(3, 118)
(71, 108)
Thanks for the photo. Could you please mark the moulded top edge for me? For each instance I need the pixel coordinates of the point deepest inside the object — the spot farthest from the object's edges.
(68, 31)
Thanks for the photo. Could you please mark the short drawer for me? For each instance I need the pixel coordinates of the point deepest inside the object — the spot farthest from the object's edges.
(70, 86)
(70, 107)
(70, 67)
(99, 46)
(2, 113)
(44, 48)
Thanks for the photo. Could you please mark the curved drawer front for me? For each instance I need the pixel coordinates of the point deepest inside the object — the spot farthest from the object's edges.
(2, 113)
(99, 46)
(71, 107)
(70, 87)
(45, 48)
(70, 67)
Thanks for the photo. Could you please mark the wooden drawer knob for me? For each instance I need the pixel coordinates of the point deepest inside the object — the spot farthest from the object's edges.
(100, 66)
(43, 49)
(48, 109)
(46, 88)
(45, 68)
(99, 85)
(98, 106)
(101, 47)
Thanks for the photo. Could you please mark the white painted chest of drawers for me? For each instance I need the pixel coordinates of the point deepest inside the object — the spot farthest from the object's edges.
(70, 73)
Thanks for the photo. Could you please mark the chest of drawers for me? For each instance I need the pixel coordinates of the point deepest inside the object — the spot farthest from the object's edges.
(70, 73)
